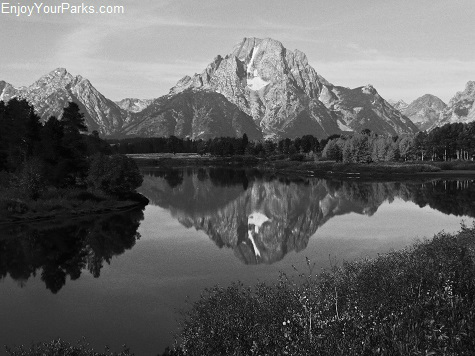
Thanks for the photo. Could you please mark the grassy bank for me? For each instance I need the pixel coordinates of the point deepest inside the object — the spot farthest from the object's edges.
(419, 301)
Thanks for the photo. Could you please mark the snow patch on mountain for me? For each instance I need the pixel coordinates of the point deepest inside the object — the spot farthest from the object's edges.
(257, 83)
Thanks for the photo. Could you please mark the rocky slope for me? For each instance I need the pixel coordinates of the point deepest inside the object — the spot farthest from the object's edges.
(461, 107)
(399, 105)
(363, 108)
(134, 105)
(7, 91)
(425, 111)
(194, 114)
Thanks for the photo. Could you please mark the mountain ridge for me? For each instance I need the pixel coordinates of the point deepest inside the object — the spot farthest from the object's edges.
(259, 79)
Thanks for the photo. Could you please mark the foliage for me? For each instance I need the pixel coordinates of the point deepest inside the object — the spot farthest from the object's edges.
(220, 146)
(419, 301)
(62, 348)
(116, 174)
(31, 178)
(36, 157)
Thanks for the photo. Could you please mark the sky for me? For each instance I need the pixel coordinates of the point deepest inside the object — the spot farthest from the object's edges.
(404, 48)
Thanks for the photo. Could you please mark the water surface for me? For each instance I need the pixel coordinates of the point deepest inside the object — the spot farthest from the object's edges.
(119, 278)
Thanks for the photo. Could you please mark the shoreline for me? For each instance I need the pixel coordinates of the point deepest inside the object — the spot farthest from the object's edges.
(306, 169)
(118, 206)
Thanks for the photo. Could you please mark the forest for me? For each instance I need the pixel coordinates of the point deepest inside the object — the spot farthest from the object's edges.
(57, 161)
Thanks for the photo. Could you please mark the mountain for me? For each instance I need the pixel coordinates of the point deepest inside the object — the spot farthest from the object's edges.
(134, 105)
(400, 105)
(7, 91)
(363, 108)
(52, 92)
(425, 111)
(260, 88)
(277, 87)
(194, 114)
(286, 97)
(461, 107)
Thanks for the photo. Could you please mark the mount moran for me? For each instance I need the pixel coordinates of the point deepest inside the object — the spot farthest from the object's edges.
(260, 88)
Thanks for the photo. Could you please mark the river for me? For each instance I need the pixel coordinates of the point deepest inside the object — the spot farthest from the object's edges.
(123, 278)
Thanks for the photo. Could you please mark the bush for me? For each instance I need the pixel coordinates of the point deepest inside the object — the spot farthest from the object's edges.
(419, 301)
(116, 174)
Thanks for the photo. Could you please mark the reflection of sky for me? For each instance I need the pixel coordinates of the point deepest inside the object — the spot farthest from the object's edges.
(398, 219)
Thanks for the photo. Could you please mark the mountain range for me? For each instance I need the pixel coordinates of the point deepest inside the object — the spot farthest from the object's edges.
(260, 88)
(429, 112)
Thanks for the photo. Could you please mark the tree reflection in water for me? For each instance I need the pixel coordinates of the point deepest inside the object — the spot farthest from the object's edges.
(263, 217)
(65, 248)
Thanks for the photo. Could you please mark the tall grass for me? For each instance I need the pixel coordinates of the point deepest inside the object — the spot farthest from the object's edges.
(419, 301)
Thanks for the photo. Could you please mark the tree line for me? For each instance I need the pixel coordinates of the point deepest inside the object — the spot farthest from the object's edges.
(58, 153)
(219, 146)
(449, 142)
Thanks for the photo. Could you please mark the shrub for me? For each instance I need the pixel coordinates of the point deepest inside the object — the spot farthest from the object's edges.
(419, 301)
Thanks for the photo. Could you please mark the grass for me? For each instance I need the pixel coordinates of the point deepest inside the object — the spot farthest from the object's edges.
(418, 301)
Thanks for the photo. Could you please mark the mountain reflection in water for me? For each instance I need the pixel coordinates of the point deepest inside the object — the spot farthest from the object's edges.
(65, 248)
(262, 217)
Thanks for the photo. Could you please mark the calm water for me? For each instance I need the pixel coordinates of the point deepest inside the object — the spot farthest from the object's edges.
(120, 278)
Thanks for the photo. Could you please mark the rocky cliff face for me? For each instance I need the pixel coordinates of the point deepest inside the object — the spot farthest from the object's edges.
(425, 111)
(461, 107)
(134, 105)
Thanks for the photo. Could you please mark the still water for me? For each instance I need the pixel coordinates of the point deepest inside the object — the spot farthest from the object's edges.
(121, 278)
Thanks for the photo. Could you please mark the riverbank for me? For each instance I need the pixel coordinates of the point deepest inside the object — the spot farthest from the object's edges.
(298, 165)
(64, 204)
(418, 301)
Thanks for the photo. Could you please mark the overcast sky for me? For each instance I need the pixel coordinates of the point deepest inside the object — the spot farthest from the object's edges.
(405, 48)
